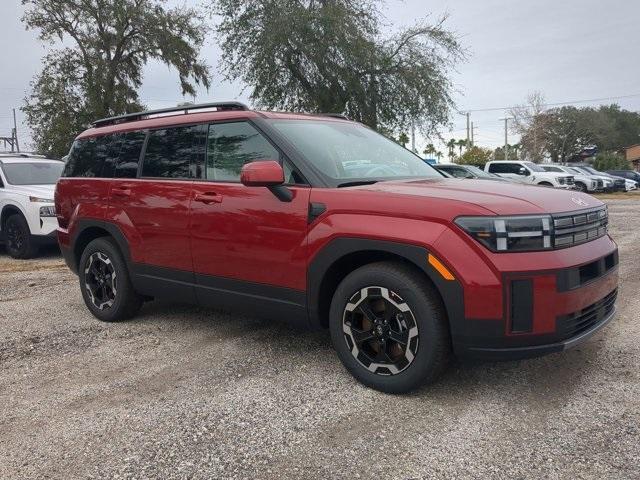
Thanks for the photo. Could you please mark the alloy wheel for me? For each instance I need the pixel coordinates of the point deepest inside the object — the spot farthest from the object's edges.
(100, 280)
(380, 330)
(15, 237)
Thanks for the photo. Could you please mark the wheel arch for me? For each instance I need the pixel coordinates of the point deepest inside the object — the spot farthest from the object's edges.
(8, 210)
(89, 230)
(341, 256)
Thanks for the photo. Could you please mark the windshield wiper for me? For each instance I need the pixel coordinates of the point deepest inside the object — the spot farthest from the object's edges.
(357, 183)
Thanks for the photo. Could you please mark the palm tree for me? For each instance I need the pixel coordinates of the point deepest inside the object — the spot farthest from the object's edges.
(452, 145)
(516, 148)
(439, 155)
(403, 139)
(461, 143)
(429, 149)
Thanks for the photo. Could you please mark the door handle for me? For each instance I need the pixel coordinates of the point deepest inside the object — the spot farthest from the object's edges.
(208, 197)
(120, 192)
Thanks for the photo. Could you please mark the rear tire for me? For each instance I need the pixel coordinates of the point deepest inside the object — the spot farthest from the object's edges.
(18, 241)
(105, 284)
(545, 184)
(389, 327)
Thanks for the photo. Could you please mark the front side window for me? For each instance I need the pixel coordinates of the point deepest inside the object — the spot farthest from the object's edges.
(344, 153)
(505, 168)
(231, 145)
(32, 173)
(169, 152)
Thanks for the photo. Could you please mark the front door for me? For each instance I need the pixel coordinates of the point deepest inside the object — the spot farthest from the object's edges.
(248, 246)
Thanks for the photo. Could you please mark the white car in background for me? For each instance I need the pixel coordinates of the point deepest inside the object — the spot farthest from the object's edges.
(531, 173)
(27, 213)
(583, 182)
(607, 180)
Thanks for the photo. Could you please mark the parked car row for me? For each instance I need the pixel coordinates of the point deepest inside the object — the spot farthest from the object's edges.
(574, 177)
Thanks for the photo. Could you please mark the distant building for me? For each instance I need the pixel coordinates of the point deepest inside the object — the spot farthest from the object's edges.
(632, 154)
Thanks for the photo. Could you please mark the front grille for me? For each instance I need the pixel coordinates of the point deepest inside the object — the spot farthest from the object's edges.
(579, 227)
(574, 324)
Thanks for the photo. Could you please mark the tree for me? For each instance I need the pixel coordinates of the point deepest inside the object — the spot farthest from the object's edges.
(403, 139)
(330, 56)
(429, 149)
(610, 161)
(477, 156)
(530, 122)
(461, 143)
(451, 145)
(98, 72)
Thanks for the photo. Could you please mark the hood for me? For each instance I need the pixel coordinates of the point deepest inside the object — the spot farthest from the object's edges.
(42, 191)
(501, 198)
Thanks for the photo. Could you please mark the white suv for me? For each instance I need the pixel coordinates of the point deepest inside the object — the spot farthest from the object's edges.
(529, 172)
(27, 213)
(583, 182)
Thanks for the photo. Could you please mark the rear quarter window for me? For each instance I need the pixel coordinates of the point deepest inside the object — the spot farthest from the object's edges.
(92, 157)
(129, 156)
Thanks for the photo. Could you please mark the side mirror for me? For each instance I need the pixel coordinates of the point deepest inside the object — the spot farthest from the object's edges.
(263, 173)
(523, 171)
(266, 173)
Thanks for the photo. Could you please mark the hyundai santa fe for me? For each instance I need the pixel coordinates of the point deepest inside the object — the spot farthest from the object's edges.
(324, 223)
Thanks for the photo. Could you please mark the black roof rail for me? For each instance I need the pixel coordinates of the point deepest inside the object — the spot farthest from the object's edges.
(335, 115)
(131, 117)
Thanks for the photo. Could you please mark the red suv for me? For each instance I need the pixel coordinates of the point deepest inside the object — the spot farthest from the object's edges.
(323, 222)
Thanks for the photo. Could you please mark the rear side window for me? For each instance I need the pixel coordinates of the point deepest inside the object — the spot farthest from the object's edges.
(231, 145)
(169, 152)
(88, 157)
(130, 149)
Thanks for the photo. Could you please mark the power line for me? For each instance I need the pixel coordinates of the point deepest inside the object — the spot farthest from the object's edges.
(556, 104)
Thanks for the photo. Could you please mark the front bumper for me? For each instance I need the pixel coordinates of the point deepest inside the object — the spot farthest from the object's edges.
(531, 351)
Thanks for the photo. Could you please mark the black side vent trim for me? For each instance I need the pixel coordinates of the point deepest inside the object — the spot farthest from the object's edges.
(315, 210)
(521, 306)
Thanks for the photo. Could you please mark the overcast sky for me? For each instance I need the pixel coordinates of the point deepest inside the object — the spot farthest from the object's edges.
(569, 50)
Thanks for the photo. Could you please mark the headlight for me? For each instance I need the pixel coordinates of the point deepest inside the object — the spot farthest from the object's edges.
(510, 234)
(48, 211)
(40, 200)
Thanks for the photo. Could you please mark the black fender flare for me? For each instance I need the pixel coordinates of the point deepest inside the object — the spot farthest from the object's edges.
(111, 228)
(451, 291)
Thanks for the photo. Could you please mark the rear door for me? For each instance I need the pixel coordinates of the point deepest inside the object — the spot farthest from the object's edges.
(149, 201)
(248, 246)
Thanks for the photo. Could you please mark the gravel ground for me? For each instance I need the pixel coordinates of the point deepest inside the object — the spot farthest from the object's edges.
(182, 392)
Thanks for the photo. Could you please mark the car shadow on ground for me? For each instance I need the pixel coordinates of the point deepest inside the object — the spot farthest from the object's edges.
(44, 253)
(545, 382)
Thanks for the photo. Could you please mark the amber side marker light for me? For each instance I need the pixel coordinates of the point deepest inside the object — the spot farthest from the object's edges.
(442, 270)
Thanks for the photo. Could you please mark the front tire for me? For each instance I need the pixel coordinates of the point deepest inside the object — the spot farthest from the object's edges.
(582, 187)
(545, 184)
(389, 327)
(105, 284)
(18, 241)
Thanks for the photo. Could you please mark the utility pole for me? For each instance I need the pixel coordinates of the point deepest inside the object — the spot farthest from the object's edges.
(15, 132)
(472, 130)
(413, 137)
(506, 138)
(468, 115)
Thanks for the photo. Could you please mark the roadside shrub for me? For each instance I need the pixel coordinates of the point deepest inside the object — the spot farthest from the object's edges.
(610, 161)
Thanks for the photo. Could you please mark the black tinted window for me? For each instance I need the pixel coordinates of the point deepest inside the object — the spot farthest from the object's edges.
(88, 157)
(504, 168)
(130, 149)
(169, 152)
(231, 145)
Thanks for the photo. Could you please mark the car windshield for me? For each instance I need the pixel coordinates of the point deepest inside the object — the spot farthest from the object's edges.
(478, 172)
(349, 153)
(533, 167)
(32, 173)
(591, 170)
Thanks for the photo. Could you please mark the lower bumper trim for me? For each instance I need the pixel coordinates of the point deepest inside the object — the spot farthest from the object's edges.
(517, 353)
